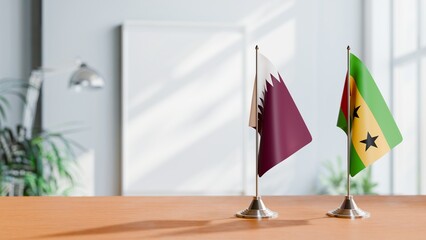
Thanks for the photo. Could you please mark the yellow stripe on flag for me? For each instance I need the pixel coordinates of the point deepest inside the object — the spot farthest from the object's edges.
(366, 123)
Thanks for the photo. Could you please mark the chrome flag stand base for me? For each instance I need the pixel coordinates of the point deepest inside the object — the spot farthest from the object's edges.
(257, 209)
(348, 209)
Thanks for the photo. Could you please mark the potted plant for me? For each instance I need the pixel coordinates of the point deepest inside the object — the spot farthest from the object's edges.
(333, 181)
(32, 165)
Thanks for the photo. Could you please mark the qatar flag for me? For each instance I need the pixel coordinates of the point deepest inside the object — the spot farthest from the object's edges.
(280, 126)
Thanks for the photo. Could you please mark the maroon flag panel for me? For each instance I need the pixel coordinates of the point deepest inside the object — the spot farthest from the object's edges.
(281, 126)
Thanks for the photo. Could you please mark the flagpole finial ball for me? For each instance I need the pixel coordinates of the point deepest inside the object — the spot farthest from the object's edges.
(257, 47)
(349, 48)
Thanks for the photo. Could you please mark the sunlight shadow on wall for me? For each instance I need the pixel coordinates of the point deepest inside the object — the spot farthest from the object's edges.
(186, 103)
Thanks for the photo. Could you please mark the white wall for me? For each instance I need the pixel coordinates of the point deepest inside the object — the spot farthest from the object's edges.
(15, 47)
(306, 39)
(393, 43)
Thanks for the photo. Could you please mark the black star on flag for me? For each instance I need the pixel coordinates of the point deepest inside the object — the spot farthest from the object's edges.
(369, 141)
(355, 114)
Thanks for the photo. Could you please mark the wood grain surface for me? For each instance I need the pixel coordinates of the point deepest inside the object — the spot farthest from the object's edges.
(300, 217)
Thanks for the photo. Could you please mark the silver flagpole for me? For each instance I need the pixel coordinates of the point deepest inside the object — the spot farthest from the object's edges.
(257, 125)
(348, 209)
(349, 130)
(257, 208)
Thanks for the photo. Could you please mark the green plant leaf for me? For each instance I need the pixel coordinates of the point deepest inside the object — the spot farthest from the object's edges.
(2, 113)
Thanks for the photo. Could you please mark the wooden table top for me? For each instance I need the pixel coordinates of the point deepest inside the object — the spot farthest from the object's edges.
(300, 217)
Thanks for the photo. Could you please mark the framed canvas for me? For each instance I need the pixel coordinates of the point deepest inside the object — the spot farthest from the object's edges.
(184, 108)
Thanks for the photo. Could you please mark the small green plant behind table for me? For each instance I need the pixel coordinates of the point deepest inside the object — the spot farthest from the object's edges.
(333, 180)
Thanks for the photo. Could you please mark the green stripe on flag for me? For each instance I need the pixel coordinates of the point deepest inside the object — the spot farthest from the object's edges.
(341, 121)
(372, 96)
(356, 164)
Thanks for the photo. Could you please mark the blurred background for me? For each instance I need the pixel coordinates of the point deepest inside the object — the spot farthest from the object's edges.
(172, 116)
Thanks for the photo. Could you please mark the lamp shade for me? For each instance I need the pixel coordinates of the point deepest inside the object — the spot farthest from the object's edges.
(86, 77)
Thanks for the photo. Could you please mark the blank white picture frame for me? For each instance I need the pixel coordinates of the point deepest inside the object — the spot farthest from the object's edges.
(183, 108)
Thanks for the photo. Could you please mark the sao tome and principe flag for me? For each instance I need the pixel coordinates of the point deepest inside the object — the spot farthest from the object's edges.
(280, 126)
(374, 131)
